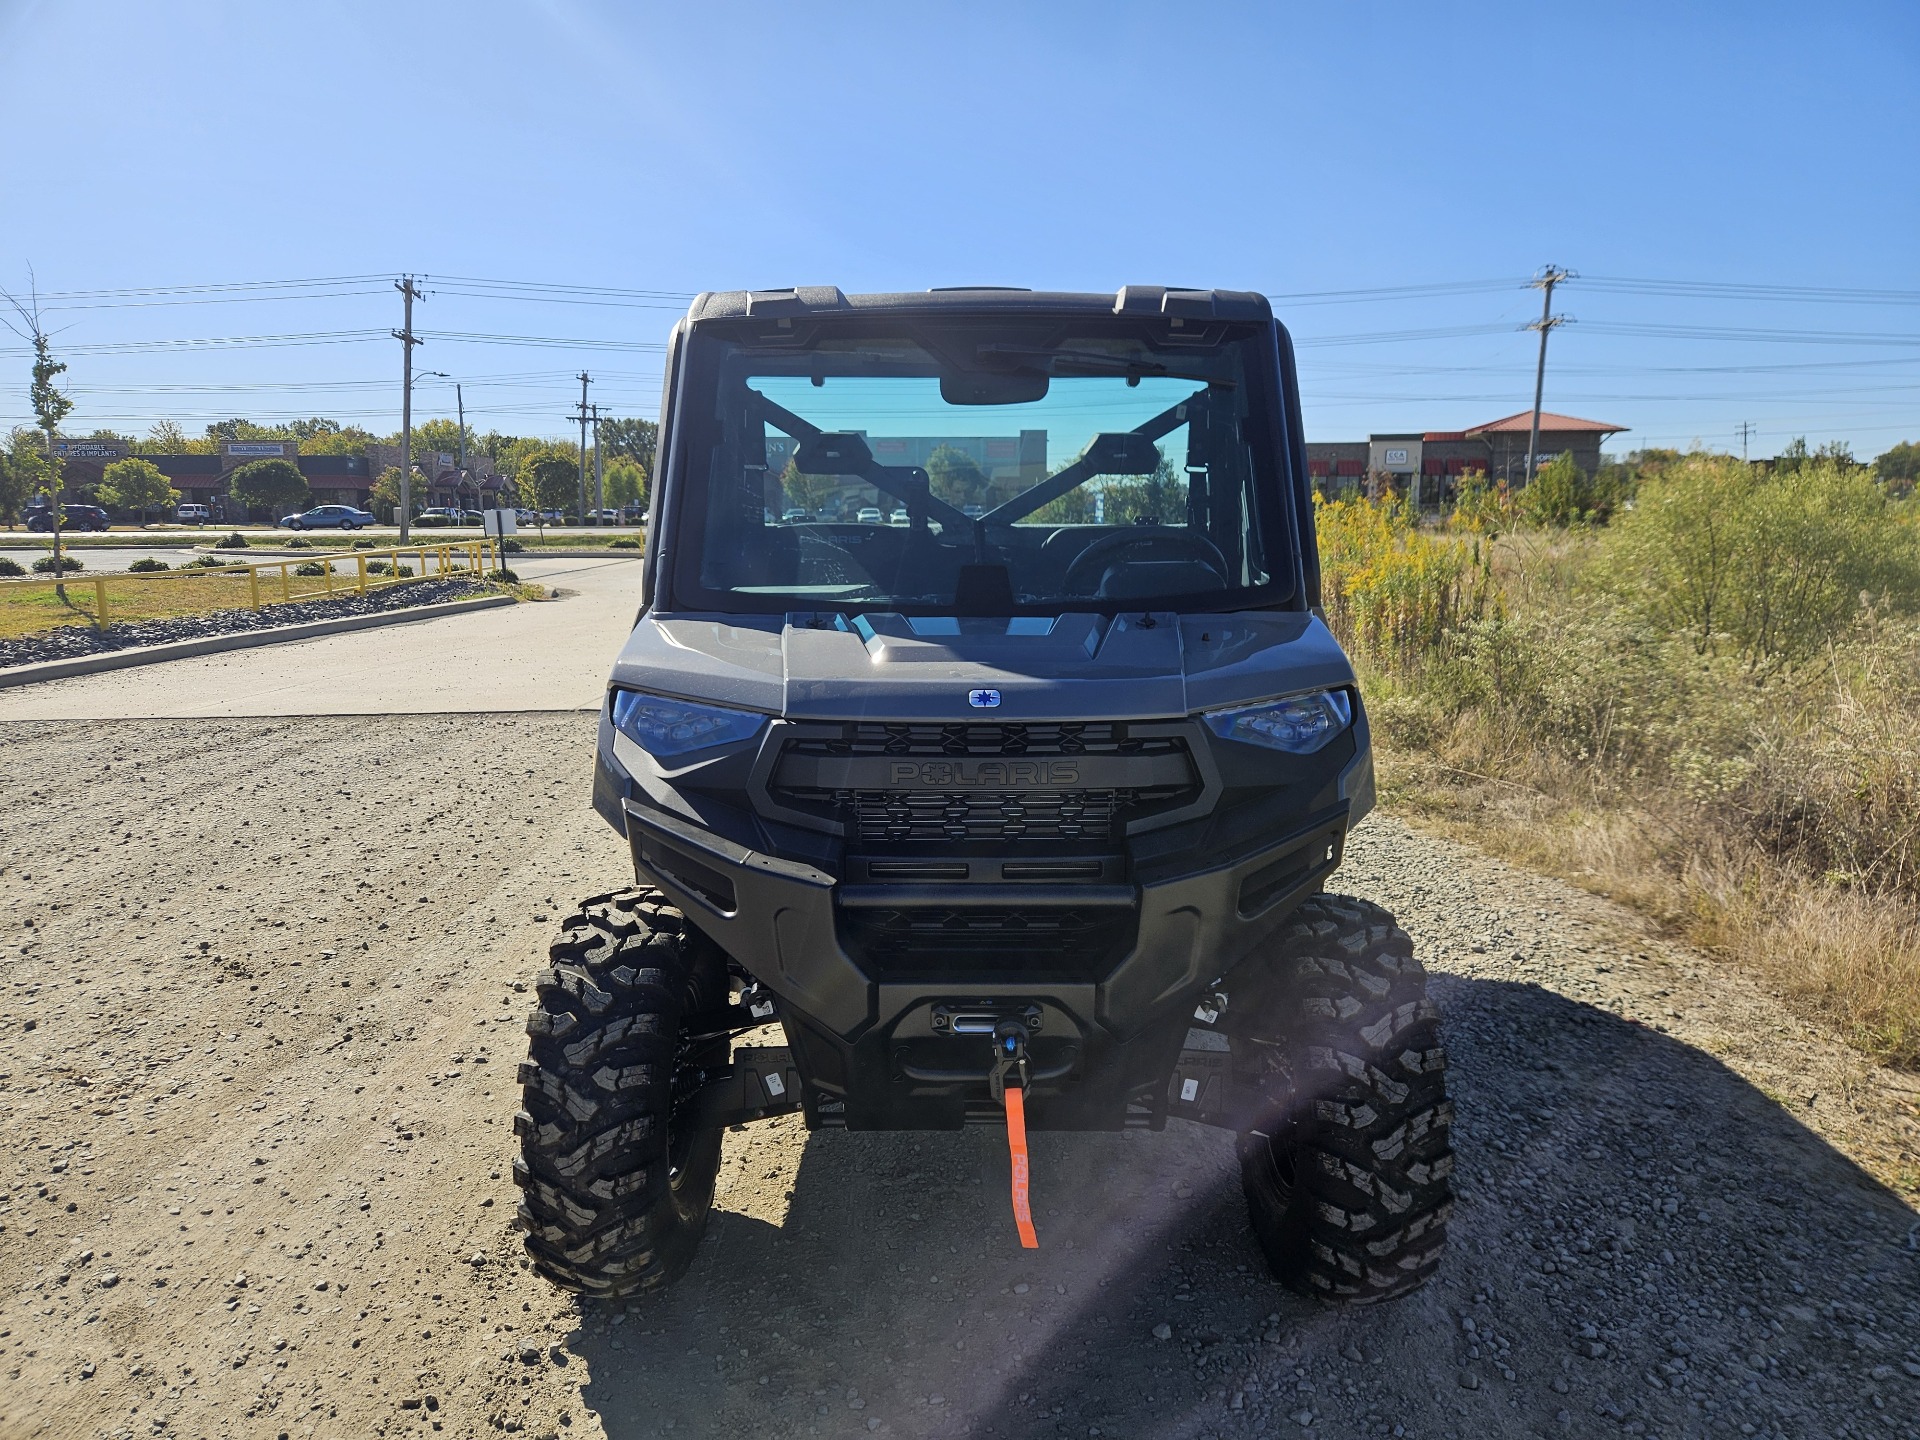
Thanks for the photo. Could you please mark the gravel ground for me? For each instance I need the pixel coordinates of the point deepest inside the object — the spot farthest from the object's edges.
(263, 993)
(70, 641)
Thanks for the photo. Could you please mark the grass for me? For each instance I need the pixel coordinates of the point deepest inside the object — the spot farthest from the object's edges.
(1751, 782)
(34, 608)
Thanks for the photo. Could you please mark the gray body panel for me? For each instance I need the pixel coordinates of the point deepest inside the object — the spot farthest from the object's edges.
(1073, 667)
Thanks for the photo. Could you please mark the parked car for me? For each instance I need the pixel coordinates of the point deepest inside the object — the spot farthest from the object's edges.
(192, 514)
(603, 517)
(795, 517)
(72, 517)
(328, 517)
(898, 517)
(437, 516)
(973, 512)
(869, 515)
(526, 517)
(553, 517)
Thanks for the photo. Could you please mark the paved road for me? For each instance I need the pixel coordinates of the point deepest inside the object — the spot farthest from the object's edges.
(553, 655)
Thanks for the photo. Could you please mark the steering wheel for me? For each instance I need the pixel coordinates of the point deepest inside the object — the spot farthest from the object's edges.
(1193, 545)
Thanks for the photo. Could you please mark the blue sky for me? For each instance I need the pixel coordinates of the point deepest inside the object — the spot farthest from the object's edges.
(1431, 156)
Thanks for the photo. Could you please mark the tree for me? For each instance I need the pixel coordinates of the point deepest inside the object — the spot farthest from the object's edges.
(276, 486)
(806, 492)
(626, 482)
(550, 480)
(385, 496)
(635, 439)
(167, 438)
(1899, 468)
(50, 407)
(955, 477)
(442, 435)
(13, 489)
(1156, 499)
(346, 440)
(136, 484)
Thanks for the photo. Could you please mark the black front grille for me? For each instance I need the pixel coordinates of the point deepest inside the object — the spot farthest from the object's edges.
(1078, 943)
(1071, 738)
(902, 784)
(897, 816)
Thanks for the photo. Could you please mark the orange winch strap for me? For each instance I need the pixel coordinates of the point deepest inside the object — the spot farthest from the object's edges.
(1017, 1148)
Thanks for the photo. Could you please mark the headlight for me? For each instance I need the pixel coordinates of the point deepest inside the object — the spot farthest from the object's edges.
(663, 727)
(1300, 724)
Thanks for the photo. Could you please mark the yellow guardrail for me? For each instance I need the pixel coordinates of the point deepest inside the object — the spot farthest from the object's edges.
(273, 582)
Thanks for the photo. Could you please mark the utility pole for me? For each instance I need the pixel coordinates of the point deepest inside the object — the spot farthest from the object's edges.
(599, 470)
(410, 293)
(1746, 428)
(1549, 277)
(585, 380)
(460, 401)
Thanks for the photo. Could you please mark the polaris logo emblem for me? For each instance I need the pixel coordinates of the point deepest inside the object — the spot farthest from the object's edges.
(982, 774)
(984, 699)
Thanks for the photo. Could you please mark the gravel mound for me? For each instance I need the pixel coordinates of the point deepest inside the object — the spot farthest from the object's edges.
(73, 641)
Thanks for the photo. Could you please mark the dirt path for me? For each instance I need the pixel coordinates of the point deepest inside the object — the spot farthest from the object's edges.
(260, 1018)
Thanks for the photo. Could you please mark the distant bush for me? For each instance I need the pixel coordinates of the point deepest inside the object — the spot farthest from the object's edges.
(365, 545)
(505, 577)
(311, 567)
(382, 567)
(511, 547)
(299, 543)
(49, 565)
(10, 568)
(624, 543)
(146, 564)
(233, 541)
(205, 562)
(1768, 565)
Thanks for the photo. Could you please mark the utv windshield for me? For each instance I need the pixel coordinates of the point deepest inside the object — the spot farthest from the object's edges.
(959, 472)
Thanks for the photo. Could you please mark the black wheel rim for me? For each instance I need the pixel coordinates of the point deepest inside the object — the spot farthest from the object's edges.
(683, 1130)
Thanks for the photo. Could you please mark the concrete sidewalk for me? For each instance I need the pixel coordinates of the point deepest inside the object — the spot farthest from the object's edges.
(548, 655)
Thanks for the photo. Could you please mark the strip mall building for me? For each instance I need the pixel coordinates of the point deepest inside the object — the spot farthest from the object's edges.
(1437, 458)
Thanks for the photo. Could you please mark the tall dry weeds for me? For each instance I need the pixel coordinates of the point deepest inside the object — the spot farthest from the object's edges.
(1760, 796)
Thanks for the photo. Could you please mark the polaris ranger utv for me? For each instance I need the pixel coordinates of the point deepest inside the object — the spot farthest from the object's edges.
(979, 728)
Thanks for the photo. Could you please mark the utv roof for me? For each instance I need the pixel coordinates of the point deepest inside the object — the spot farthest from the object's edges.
(1142, 300)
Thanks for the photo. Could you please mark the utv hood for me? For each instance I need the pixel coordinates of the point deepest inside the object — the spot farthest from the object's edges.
(885, 666)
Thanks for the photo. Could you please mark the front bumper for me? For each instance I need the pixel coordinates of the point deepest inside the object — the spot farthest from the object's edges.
(882, 1052)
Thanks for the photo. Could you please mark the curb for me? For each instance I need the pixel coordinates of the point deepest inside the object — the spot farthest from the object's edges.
(243, 640)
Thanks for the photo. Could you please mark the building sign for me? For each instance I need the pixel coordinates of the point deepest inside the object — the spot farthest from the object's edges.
(252, 449)
(90, 449)
(1396, 457)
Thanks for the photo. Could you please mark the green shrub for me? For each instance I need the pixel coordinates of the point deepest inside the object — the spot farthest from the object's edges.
(146, 564)
(1771, 566)
(625, 542)
(382, 567)
(232, 541)
(505, 577)
(10, 568)
(299, 543)
(511, 546)
(49, 565)
(206, 562)
(310, 567)
(365, 545)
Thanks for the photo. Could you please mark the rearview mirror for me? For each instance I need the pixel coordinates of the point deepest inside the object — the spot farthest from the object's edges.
(1121, 453)
(984, 387)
